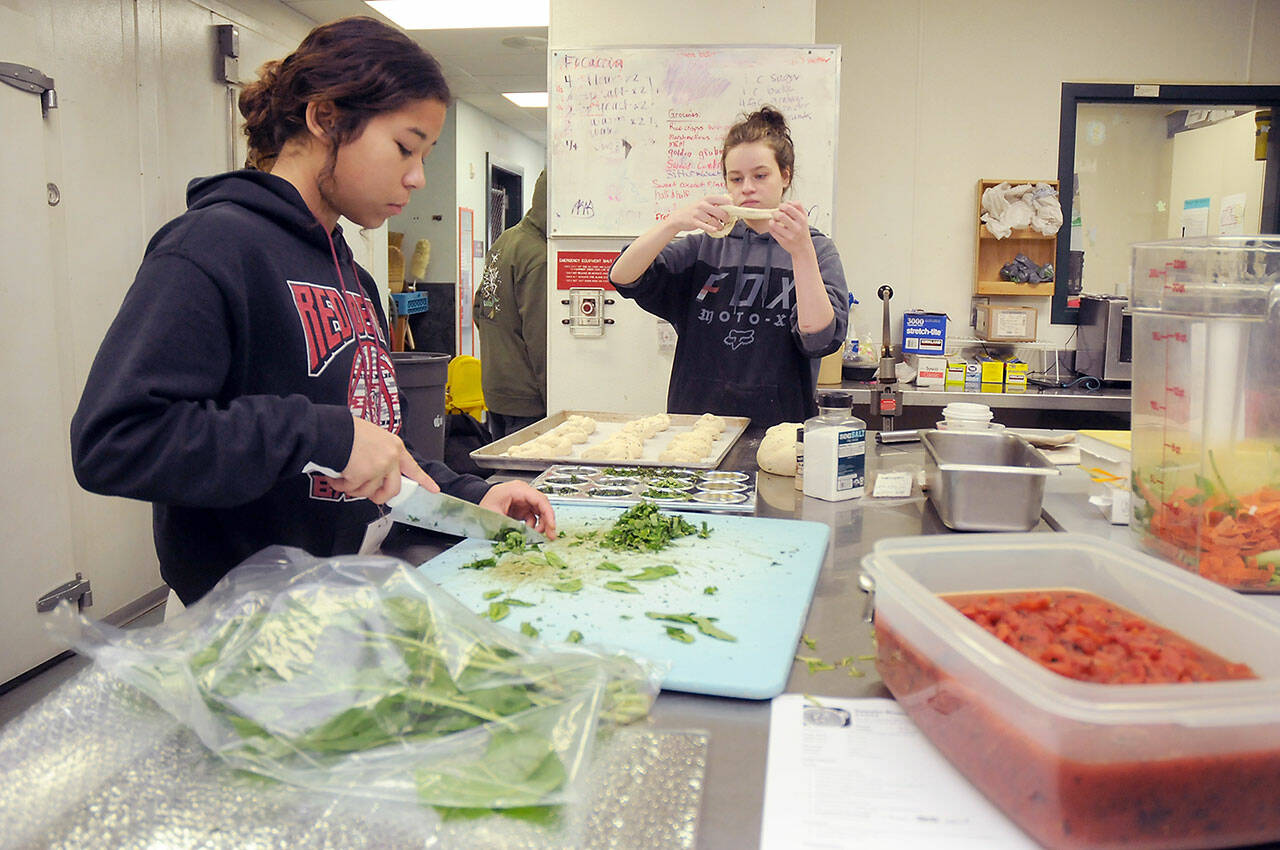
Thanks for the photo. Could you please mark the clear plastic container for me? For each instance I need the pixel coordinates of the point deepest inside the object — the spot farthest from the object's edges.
(1077, 764)
(1206, 406)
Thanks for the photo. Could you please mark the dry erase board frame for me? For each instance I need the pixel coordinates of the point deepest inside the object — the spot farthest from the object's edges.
(635, 132)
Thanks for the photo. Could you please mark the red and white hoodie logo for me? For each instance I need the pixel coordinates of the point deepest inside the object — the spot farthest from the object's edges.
(331, 321)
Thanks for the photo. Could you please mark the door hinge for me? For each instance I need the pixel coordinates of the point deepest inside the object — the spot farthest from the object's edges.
(29, 79)
(77, 591)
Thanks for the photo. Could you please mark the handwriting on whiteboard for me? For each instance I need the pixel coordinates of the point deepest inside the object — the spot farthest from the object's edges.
(636, 133)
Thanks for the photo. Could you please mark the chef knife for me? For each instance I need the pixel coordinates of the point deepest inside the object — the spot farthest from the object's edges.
(415, 505)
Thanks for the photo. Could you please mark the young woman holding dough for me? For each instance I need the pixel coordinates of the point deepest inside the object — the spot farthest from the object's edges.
(756, 295)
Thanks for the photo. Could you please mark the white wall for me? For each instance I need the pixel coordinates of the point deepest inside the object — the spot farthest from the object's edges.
(437, 198)
(1123, 159)
(625, 370)
(937, 95)
(139, 115)
(1213, 162)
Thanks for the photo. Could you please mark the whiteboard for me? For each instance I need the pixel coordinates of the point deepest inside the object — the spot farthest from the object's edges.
(636, 132)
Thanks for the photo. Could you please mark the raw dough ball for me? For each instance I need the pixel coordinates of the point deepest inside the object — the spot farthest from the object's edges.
(712, 421)
(679, 457)
(777, 452)
(693, 442)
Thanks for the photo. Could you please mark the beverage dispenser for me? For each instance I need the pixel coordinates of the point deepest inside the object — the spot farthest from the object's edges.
(1206, 406)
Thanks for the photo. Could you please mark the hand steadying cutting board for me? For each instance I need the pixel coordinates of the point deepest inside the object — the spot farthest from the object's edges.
(763, 571)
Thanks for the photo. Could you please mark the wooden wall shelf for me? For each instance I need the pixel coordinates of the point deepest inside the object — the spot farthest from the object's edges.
(991, 254)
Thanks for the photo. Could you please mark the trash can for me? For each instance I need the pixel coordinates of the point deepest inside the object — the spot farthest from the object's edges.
(422, 376)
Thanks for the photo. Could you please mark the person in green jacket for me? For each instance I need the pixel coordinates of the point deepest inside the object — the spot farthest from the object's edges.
(511, 316)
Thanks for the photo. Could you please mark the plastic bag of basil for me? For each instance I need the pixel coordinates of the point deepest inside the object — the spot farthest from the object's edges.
(356, 675)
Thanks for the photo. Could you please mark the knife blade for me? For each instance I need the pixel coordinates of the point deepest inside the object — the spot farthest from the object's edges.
(415, 505)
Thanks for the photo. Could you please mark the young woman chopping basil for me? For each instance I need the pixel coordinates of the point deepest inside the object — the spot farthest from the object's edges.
(251, 349)
(754, 308)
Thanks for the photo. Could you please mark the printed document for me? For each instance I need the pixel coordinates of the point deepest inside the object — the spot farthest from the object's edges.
(856, 773)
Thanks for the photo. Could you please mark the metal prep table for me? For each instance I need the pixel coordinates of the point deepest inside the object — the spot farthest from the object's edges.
(733, 793)
(1035, 407)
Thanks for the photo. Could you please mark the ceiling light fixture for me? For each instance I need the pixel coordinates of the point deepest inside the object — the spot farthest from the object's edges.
(527, 99)
(478, 14)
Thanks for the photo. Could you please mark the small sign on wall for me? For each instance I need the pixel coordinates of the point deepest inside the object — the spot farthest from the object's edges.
(576, 269)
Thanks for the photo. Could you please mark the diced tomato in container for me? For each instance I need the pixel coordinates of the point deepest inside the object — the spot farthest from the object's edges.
(1080, 764)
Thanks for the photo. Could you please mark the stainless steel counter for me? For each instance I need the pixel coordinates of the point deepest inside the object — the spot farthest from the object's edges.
(1107, 399)
(739, 729)
(733, 794)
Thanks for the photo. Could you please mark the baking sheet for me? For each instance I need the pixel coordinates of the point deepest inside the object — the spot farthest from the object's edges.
(680, 488)
(607, 424)
(761, 571)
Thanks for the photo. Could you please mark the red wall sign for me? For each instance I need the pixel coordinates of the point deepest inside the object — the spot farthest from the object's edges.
(584, 268)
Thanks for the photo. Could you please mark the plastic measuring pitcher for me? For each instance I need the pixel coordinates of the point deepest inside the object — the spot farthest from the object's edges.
(1206, 406)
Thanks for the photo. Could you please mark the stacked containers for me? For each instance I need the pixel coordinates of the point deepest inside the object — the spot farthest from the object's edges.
(966, 416)
(1206, 406)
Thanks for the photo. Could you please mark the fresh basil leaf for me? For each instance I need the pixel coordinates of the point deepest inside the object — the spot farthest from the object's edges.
(677, 633)
(654, 573)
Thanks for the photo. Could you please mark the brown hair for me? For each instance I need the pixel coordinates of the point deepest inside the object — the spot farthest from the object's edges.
(766, 125)
(361, 65)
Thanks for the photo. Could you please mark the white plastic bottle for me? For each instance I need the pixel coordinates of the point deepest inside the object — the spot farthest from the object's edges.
(835, 450)
(800, 458)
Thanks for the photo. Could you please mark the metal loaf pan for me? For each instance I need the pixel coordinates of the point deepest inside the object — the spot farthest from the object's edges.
(985, 481)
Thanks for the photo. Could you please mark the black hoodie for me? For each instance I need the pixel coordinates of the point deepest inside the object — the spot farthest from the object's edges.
(246, 342)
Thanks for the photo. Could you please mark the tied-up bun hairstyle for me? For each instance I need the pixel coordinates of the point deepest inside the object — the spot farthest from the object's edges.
(766, 125)
(360, 65)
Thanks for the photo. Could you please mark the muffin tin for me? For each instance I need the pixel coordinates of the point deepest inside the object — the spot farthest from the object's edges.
(676, 487)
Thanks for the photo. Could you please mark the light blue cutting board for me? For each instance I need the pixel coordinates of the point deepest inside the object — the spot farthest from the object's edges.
(764, 571)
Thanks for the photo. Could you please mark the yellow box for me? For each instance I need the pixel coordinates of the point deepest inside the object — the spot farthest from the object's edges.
(955, 373)
(991, 388)
(992, 371)
(1015, 374)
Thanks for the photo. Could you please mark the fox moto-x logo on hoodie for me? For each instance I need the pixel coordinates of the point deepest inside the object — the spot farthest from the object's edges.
(331, 322)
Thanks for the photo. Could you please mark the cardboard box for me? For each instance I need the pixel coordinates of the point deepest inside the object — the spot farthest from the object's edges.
(991, 388)
(972, 371)
(992, 370)
(924, 333)
(1015, 374)
(931, 370)
(955, 372)
(1005, 324)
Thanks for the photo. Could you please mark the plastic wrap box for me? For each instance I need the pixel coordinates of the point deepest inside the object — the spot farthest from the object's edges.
(924, 333)
(1078, 764)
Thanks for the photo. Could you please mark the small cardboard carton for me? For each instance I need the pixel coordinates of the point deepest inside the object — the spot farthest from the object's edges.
(1015, 374)
(955, 372)
(992, 370)
(924, 333)
(931, 370)
(1005, 324)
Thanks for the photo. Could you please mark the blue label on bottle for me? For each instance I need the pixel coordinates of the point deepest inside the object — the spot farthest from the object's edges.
(851, 459)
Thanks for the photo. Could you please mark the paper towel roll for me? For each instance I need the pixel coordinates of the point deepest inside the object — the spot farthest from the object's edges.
(421, 257)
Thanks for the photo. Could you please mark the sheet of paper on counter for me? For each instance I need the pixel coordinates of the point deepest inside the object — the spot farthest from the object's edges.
(856, 773)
